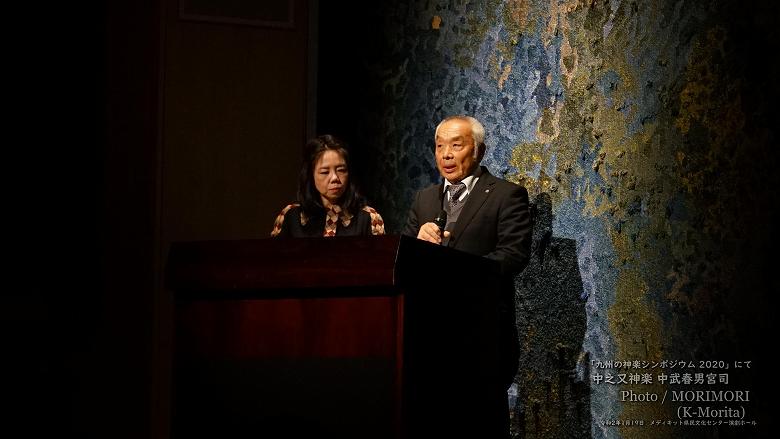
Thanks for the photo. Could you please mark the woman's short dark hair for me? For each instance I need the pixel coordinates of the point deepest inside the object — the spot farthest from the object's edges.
(308, 196)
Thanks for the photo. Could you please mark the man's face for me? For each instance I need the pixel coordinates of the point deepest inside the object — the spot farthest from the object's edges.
(331, 176)
(455, 150)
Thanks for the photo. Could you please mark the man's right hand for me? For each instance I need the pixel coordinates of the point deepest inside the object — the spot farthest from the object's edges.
(430, 232)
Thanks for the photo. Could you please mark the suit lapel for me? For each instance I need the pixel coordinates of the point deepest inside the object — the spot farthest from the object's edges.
(474, 202)
(434, 206)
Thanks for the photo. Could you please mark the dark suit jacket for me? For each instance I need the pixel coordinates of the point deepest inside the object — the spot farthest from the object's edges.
(494, 223)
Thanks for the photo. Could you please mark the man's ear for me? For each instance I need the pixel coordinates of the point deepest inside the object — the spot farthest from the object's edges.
(481, 152)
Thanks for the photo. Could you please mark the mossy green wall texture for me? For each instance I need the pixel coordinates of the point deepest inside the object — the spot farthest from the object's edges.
(643, 131)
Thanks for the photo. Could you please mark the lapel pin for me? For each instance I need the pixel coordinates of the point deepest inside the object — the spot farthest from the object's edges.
(487, 190)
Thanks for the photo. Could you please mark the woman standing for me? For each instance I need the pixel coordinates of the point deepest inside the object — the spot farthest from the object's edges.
(329, 203)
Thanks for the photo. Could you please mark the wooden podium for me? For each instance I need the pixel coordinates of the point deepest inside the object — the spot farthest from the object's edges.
(366, 337)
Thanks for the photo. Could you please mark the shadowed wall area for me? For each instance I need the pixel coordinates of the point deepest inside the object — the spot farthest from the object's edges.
(642, 129)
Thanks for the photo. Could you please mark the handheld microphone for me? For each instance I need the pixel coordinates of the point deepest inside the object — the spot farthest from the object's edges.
(441, 220)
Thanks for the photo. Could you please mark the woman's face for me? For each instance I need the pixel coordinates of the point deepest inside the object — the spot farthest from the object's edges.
(331, 176)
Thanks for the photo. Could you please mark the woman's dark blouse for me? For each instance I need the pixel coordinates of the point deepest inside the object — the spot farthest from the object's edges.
(292, 223)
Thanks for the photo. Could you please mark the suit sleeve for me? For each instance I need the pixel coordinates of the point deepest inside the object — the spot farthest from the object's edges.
(412, 222)
(513, 248)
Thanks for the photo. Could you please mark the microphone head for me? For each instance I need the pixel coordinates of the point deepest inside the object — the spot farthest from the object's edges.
(441, 220)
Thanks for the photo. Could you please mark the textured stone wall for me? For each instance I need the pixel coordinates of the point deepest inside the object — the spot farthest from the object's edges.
(643, 131)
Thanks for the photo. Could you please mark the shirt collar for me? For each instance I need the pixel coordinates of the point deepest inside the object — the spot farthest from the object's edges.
(469, 181)
(332, 212)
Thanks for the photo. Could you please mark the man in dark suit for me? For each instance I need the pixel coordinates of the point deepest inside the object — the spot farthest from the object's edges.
(486, 216)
